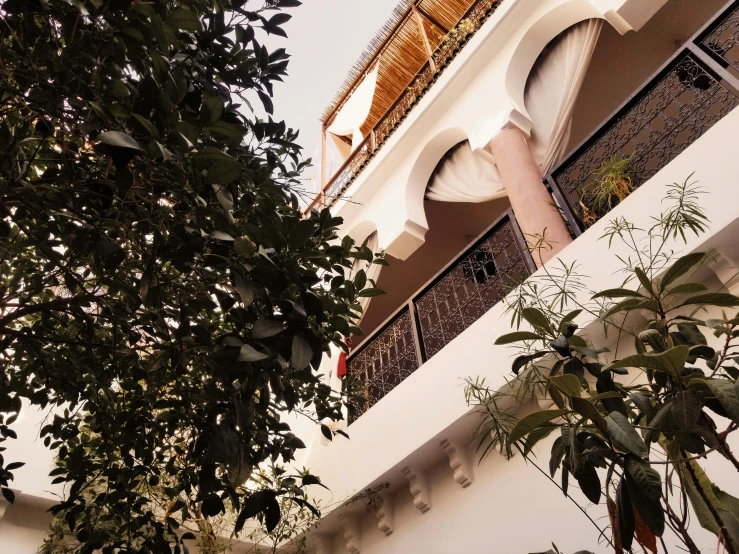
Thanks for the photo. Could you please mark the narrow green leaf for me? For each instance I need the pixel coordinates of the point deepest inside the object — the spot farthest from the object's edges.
(517, 336)
(618, 293)
(680, 267)
(568, 384)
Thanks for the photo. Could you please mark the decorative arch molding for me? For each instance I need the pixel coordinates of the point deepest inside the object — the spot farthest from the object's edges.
(623, 15)
(410, 234)
(362, 230)
(538, 35)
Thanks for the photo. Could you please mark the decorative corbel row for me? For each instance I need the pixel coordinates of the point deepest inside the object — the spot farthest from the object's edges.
(385, 513)
(459, 461)
(419, 488)
(324, 543)
(351, 533)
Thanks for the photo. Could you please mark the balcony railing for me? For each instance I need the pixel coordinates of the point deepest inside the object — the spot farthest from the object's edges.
(475, 17)
(458, 296)
(686, 97)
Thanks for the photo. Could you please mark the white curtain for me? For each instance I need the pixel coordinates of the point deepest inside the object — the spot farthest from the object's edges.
(553, 87)
(355, 111)
(371, 270)
(551, 91)
(466, 176)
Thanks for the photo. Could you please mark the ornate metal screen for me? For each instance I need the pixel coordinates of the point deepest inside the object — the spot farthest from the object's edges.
(385, 361)
(472, 284)
(722, 40)
(672, 110)
(477, 281)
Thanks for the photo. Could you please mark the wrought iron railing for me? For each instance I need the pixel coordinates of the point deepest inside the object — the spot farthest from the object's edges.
(447, 50)
(686, 97)
(458, 296)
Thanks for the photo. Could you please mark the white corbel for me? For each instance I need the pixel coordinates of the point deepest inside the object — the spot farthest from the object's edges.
(351, 533)
(459, 461)
(385, 513)
(419, 488)
(323, 543)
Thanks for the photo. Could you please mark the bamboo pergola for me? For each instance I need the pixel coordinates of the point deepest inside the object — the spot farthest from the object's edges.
(418, 36)
(403, 45)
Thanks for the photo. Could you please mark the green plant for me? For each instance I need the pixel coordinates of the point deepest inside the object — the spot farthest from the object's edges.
(161, 295)
(611, 186)
(632, 428)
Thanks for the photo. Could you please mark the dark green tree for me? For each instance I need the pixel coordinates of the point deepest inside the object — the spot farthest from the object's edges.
(159, 287)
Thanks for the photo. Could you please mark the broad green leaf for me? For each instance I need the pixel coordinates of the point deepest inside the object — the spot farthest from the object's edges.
(521, 361)
(264, 328)
(222, 168)
(588, 410)
(726, 393)
(370, 292)
(568, 384)
(250, 354)
(645, 490)
(536, 318)
(625, 306)
(680, 267)
(671, 361)
(183, 19)
(721, 299)
(624, 436)
(618, 293)
(211, 110)
(303, 231)
(687, 288)
(227, 131)
(537, 436)
(302, 353)
(147, 125)
(686, 409)
(534, 421)
(517, 336)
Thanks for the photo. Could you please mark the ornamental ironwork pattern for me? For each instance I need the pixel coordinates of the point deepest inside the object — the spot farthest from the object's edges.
(469, 288)
(723, 41)
(385, 361)
(443, 55)
(662, 120)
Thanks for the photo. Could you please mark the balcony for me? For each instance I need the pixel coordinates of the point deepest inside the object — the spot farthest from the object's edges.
(692, 91)
(447, 41)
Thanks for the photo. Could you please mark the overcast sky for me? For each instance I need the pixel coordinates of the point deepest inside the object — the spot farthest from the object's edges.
(325, 38)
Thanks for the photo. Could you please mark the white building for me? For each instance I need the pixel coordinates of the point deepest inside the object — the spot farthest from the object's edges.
(461, 127)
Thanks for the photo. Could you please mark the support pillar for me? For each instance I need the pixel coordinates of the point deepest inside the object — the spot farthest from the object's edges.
(531, 202)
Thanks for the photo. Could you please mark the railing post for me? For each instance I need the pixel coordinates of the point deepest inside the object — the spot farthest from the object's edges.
(372, 141)
(707, 60)
(420, 350)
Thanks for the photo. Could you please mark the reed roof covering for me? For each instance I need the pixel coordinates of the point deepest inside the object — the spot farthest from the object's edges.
(401, 51)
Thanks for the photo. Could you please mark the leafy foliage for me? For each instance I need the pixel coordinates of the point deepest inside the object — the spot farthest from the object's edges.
(160, 290)
(616, 438)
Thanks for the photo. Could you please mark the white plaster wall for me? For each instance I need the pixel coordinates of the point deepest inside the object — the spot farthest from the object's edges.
(23, 526)
(429, 405)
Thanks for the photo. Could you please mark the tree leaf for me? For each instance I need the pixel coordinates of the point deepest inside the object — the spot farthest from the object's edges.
(625, 510)
(726, 393)
(265, 328)
(516, 336)
(588, 410)
(568, 384)
(680, 267)
(624, 436)
(645, 490)
(618, 293)
(536, 436)
(534, 421)
(537, 319)
(184, 20)
(521, 361)
(686, 409)
(671, 361)
(721, 299)
(250, 354)
(686, 288)
(302, 353)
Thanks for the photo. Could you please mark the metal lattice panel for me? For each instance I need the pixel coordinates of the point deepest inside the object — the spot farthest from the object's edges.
(723, 40)
(385, 361)
(470, 288)
(664, 120)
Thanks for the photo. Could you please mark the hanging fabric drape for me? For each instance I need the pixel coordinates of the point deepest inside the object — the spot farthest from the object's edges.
(466, 176)
(354, 113)
(553, 87)
(551, 91)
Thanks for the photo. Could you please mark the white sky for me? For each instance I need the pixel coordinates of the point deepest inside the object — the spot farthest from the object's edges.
(325, 38)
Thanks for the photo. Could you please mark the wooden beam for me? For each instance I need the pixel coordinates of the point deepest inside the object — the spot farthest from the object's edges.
(323, 160)
(424, 37)
(432, 19)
